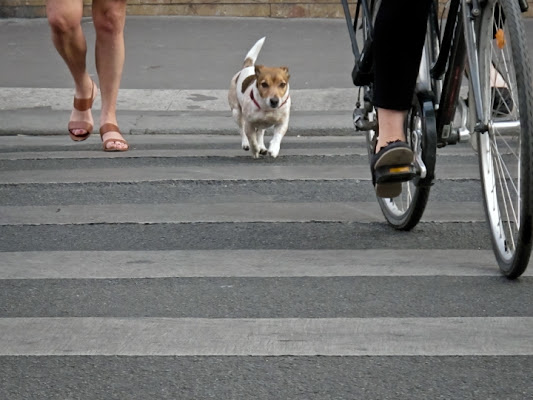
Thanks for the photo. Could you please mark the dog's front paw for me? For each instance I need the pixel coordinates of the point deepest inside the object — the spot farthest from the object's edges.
(273, 151)
(245, 144)
(263, 151)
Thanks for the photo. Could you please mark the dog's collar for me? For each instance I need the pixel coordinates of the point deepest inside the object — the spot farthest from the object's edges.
(257, 104)
(254, 100)
(282, 104)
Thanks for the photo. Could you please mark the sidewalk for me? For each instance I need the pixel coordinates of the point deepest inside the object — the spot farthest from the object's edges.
(177, 73)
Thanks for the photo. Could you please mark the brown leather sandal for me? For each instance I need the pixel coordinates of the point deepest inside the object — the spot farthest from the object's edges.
(82, 105)
(111, 128)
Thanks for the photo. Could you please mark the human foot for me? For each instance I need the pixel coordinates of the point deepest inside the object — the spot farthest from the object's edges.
(112, 138)
(391, 127)
(391, 166)
(80, 125)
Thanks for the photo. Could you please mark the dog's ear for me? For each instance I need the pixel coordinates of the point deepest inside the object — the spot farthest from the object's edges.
(258, 69)
(286, 70)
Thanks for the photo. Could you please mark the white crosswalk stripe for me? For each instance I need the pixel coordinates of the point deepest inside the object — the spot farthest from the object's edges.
(226, 263)
(267, 337)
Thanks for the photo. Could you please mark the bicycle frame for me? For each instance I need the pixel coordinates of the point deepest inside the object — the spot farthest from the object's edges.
(457, 53)
(482, 40)
(443, 63)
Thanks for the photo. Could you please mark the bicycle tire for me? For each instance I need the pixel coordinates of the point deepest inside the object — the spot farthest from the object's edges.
(405, 211)
(507, 187)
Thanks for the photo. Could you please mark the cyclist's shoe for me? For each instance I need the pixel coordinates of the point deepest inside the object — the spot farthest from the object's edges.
(391, 166)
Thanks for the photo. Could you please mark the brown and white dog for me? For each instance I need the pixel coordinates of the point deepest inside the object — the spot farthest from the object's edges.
(259, 99)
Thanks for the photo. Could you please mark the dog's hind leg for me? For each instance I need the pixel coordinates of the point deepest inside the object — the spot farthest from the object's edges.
(245, 144)
(261, 141)
(244, 141)
(237, 116)
(251, 134)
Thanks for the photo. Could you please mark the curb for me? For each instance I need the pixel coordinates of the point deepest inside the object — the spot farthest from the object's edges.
(45, 111)
(49, 123)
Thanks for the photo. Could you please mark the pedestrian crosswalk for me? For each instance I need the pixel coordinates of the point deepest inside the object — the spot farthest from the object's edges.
(227, 263)
(184, 269)
(268, 337)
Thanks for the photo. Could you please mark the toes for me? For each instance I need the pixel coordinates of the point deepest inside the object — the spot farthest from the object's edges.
(116, 146)
(273, 151)
(263, 151)
(79, 132)
(112, 138)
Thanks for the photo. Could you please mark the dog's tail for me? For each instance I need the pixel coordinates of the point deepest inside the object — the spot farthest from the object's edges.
(253, 53)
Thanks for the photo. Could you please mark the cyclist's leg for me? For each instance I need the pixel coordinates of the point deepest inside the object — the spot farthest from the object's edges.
(391, 124)
(399, 35)
(398, 41)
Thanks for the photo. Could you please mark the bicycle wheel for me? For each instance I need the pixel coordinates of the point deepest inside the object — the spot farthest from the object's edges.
(505, 149)
(406, 210)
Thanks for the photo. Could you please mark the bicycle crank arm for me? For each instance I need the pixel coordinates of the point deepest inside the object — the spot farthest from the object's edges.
(421, 169)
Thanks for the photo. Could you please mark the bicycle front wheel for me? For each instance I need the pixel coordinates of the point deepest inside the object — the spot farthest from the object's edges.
(505, 149)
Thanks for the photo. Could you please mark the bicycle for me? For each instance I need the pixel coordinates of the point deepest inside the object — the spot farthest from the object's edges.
(479, 40)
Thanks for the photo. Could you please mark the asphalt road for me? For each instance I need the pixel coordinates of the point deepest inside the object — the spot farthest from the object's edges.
(187, 52)
(184, 269)
(191, 52)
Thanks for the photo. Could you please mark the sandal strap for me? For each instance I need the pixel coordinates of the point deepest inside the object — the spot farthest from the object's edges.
(109, 127)
(82, 104)
(85, 104)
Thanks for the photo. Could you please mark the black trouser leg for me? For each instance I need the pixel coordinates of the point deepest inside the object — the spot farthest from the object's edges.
(399, 34)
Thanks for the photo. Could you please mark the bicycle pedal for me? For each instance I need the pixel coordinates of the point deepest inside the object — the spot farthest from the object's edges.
(394, 173)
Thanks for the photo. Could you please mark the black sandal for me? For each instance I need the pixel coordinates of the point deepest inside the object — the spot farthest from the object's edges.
(390, 166)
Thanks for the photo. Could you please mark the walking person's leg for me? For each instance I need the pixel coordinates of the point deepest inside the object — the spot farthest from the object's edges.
(64, 18)
(109, 17)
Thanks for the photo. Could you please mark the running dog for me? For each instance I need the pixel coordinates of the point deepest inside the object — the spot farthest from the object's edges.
(259, 99)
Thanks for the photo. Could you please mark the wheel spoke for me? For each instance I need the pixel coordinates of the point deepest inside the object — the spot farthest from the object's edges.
(506, 197)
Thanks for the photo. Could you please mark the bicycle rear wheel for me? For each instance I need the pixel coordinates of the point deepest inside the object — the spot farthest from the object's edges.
(505, 149)
(405, 211)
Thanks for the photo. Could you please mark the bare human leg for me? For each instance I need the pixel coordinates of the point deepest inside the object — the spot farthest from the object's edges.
(109, 18)
(64, 18)
(391, 126)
